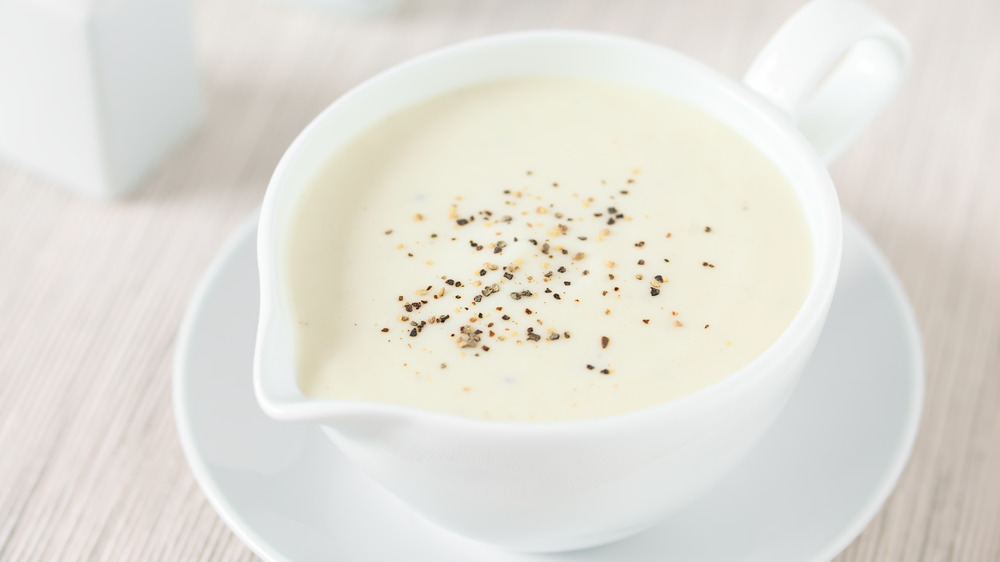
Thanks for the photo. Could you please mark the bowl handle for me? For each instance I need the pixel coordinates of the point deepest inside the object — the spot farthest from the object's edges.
(831, 68)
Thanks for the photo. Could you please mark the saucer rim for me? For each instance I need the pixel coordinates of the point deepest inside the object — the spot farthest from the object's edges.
(238, 526)
(222, 507)
(904, 449)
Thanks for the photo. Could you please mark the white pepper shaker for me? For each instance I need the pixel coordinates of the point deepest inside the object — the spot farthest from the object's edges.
(93, 93)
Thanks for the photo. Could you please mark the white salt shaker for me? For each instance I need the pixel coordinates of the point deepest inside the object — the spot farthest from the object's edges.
(93, 93)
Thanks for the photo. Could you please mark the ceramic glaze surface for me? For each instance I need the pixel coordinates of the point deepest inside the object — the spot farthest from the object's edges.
(861, 395)
(575, 484)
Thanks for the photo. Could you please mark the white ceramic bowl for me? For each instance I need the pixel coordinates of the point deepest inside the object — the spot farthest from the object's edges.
(569, 485)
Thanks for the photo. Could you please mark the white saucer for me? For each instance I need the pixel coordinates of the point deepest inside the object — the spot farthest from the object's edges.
(804, 494)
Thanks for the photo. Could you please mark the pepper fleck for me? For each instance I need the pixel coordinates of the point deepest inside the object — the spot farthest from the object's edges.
(605, 340)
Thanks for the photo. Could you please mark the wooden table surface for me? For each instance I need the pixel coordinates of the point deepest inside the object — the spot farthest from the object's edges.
(91, 293)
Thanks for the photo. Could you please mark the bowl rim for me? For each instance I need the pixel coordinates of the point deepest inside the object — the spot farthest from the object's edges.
(812, 312)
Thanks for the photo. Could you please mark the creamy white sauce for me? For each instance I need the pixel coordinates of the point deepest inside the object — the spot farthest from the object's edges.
(382, 221)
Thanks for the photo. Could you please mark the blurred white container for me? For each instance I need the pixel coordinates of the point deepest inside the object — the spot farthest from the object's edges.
(355, 8)
(93, 93)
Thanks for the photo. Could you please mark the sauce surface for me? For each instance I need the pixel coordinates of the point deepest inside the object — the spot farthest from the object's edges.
(541, 249)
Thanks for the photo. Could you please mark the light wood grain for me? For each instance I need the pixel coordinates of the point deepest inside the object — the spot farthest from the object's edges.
(91, 293)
